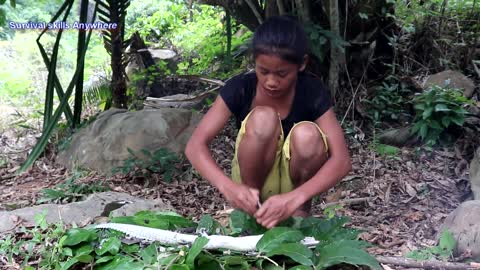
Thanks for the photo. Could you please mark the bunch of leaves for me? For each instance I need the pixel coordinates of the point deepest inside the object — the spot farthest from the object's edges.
(71, 190)
(321, 38)
(40, 245)
(444, 249)
(436, 110)
(99, 95)
(388, 101)
(161, 161)
(279, 246)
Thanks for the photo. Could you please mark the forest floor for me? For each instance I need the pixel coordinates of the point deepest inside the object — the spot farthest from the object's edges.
(402, 199)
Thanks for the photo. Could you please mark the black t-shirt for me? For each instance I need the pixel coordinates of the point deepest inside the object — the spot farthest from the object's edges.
(311, 99)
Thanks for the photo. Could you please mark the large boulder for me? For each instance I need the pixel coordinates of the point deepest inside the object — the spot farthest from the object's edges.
(103, 145)
(464, 223)
(452, 79)
(81, 213)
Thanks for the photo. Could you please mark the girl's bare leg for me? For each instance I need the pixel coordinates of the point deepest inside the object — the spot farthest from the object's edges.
(256, 152)
(307, 156)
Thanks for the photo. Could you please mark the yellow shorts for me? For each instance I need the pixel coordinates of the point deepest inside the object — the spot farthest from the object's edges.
(278, 180)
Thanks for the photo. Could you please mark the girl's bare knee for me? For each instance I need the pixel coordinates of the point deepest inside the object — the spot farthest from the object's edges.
(263, 123)
(306, 141)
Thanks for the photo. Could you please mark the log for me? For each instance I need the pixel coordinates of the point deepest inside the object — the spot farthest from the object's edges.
(427, 264)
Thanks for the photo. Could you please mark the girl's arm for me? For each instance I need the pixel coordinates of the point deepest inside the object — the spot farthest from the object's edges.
(198, 153)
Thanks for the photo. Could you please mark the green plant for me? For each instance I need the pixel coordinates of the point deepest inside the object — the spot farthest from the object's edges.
(436, 110)
(388, 101)
(319, 38)
(280, 246)
(161, 161)
(41, 244)
(70, 191)
(443, 250)
(99, 95)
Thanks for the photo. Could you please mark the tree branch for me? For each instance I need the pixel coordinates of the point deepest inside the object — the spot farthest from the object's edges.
(427, 264)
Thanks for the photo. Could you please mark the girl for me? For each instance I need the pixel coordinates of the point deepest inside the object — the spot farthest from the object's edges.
(290, 146)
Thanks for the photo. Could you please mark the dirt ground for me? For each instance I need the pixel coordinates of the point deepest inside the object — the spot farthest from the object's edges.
(398, 202)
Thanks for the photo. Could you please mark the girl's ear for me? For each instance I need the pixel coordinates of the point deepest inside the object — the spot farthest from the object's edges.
(304, 64)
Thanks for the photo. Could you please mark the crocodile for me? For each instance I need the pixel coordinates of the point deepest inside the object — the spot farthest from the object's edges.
(242, 244)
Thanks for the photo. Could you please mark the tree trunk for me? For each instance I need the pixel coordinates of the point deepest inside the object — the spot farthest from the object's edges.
(119, 85)
(77, 110)
(138, 46)
(335, 52)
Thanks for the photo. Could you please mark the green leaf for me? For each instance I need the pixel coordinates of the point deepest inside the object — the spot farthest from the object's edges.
(300, 267)
(166, 260)
(84, 250)
(179, 267)
(295, 251)
(85, 258)
(343, 252)
(210, 225)
(447, 241)
(241, 222)
(2, 2)
(196, 248)
(121, 263)
(458, 120)
(66, 265)
(104, 259)
(78, 235)
(131, 248)
(423, 130)
(149, 254)
(276, 236)
(441, 108)
(13, 3)
(446, 121)
(110, 245)
(427, 112)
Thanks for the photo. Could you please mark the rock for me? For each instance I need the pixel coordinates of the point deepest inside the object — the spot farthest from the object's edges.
(464, 223)
(398, 137)
(474, 173)
(453, 79)
(96, 205)
(103, 145)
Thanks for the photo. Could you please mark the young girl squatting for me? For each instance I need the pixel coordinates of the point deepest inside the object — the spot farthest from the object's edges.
(290, 146)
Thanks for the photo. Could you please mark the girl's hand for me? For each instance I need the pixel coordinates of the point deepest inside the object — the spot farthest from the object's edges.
(242, 197)
(277, 208)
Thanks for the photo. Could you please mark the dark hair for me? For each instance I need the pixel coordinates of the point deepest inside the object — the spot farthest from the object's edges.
(282, 36)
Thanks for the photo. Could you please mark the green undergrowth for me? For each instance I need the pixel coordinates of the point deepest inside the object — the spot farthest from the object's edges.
(55, 247)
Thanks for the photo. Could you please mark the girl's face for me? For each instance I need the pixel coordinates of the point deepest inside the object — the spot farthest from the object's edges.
(276, 77)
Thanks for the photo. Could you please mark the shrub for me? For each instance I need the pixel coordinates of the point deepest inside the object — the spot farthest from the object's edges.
(436, 110)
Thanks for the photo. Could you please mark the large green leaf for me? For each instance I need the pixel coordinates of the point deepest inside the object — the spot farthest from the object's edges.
(196, 248)
(209, 225)
(241, 222)
(149, 254)
(110, 245)
(276, 236)
(78, 235)
(441, 108)
(121, 263)
(343, 252)
(295, 251)
(179, 267)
